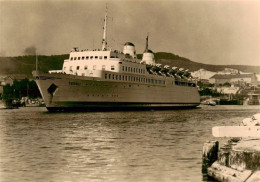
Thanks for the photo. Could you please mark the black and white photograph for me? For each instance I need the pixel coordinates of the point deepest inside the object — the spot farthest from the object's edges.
(130, 91)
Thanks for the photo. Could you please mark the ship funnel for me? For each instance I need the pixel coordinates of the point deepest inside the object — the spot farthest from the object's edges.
(129, 49)
(148, 56)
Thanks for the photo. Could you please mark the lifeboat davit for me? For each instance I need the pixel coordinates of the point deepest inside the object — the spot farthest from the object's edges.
(187, 74)
(164, 70)
(155, 69)
(172, 71)
(180, 72)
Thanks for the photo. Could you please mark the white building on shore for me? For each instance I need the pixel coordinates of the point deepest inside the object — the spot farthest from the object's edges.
(235, 79)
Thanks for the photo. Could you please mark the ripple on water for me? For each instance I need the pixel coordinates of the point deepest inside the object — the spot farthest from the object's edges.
(36, 145)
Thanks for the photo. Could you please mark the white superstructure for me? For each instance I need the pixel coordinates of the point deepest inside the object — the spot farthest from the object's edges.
(91, 79)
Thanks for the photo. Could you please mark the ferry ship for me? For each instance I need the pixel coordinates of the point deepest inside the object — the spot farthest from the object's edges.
(114, 80)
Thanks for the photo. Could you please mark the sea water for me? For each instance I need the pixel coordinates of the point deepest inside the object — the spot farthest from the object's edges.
(36, 145)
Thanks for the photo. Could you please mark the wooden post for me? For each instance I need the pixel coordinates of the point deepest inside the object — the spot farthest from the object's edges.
(209, 155)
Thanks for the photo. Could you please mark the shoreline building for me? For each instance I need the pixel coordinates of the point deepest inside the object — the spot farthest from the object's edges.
(234, 79)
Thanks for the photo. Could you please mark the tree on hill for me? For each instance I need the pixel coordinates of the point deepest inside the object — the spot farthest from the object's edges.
(8, 92)
(26, 64)
(208, 91)
(204, 85)
(19, 89)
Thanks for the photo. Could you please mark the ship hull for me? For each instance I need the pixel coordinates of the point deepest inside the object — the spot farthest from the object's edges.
(77, 93)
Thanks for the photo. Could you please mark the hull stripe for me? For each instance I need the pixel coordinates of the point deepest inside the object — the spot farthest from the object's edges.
(111, 106)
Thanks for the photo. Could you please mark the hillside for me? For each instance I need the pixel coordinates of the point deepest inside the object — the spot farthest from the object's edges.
(26, 64)
(175, 60)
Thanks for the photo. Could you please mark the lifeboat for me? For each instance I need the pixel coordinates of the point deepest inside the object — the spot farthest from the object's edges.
(148, 68)
(180, 72)
(187, 74)
(172, 71)
(155, 69)
(164, 70)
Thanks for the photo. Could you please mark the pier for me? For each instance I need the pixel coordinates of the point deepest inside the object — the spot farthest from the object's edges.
(238, 160)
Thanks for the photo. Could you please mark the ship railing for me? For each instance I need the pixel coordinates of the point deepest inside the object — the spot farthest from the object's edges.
(183, 82)
(55, 71)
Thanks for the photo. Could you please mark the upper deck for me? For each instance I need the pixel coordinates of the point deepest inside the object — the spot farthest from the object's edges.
(81, 62)
(115, 67)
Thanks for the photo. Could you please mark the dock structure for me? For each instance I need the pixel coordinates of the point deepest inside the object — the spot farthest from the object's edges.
(238, 160)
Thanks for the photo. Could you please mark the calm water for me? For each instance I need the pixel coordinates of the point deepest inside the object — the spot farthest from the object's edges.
(109, 146)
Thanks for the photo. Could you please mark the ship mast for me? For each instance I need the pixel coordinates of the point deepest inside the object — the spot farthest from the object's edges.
(36, 60)
(104, 40)
(146, 46)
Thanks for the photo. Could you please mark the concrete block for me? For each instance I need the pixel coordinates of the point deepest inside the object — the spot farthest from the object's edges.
(249, 144)
(223, 173)
(245, 155)
(223, 157)
(209, 154)
(241, 160)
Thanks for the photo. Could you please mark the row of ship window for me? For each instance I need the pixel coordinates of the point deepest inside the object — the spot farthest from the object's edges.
(124, 68)
(180, 83)
(87, 57)
(134, 79)
(94, 67)
(145, 80)
(135, 70)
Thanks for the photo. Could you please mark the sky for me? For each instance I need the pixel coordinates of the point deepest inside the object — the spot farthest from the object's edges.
(210, 31)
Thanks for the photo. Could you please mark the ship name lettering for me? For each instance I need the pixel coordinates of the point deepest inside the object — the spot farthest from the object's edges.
(74, 83)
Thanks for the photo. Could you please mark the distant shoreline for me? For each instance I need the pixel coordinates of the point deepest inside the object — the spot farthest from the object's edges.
(24, 65)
